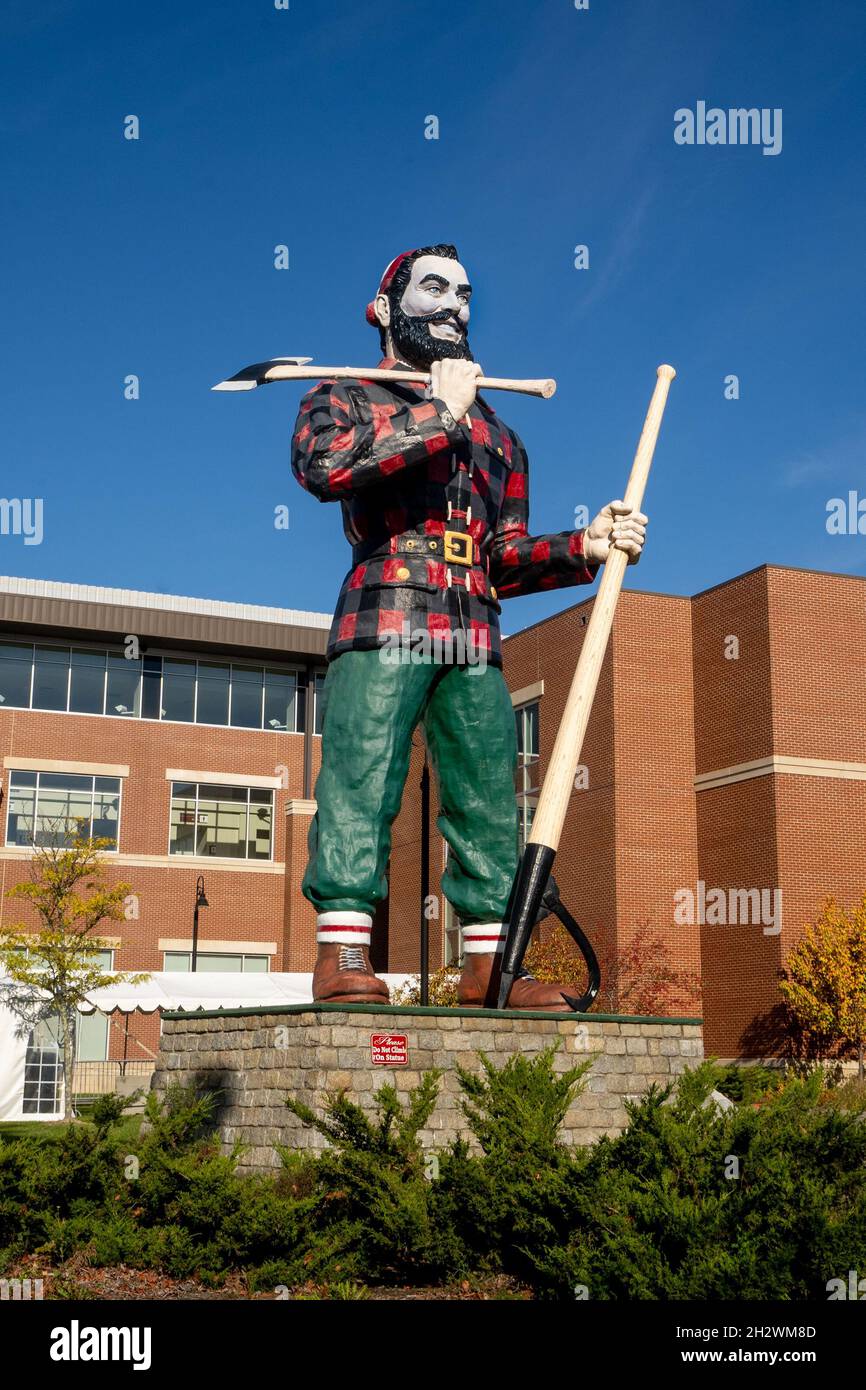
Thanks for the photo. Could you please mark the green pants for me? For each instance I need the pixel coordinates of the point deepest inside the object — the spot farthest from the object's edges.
(371, 709)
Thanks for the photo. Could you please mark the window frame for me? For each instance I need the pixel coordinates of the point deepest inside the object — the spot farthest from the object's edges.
(242, 956)
(39, 774)
(318, 676)
(108, 967)
(264, 665)
(35, 1057)
(52, 1020)
(526, 795)
(224, 858)
(72, 652)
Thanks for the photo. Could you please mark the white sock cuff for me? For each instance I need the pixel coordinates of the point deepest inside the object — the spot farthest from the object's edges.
(343, 928)
(484, 938)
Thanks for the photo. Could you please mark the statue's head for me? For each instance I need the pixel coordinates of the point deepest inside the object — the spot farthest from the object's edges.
(422, 307)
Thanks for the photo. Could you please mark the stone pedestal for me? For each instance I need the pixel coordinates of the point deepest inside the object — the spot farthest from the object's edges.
(254, 1058)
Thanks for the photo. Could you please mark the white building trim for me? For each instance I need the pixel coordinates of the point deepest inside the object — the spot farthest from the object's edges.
(780, 764)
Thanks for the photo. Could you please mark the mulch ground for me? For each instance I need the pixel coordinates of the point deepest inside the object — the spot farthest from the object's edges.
(76, 1280)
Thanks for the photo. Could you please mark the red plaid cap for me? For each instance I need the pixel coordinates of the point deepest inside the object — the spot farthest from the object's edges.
(387, 276)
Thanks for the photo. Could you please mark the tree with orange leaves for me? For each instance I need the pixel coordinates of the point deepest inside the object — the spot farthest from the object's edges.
(640, 978)
(824, 983)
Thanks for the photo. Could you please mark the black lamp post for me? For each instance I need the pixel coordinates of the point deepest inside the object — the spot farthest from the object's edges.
(200, 901)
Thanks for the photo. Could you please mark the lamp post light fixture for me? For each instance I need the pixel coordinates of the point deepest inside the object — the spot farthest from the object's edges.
(200, 901)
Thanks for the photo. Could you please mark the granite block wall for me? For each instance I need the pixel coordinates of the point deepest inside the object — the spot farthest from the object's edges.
(254, 1059)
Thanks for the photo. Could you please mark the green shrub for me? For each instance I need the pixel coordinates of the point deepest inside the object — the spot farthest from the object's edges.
(766, 1200)
(749, 1083)
(850, 1095)
(106, 1111)
(42, 1183)
(369, 1215)
(516, 1111)
(661, 1214)
(523, 1189)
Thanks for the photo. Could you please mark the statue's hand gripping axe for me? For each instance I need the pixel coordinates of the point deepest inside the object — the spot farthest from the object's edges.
(304, 369)
(530, 896)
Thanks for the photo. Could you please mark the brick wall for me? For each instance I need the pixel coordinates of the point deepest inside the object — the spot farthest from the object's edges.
(247, 902)
(768, 665)
(796, 689)
(654, 764)
(733, 718)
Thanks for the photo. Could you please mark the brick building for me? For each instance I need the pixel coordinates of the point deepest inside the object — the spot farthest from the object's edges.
(722, 795)
(183, 729)
(723, 788)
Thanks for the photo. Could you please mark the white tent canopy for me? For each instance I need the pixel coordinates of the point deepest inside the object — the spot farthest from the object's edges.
(162, 990)
(175, 989)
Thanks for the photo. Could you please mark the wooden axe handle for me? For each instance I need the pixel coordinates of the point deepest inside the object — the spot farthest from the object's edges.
(284, 372)
(558, 782)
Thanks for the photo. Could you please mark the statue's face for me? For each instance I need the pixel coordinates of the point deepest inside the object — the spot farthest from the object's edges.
(439, 286)
(431, 321)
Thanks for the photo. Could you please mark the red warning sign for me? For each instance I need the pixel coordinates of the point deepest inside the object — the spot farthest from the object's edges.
(389, 1049)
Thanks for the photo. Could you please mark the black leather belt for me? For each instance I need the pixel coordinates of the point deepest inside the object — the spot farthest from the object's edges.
(454, 547)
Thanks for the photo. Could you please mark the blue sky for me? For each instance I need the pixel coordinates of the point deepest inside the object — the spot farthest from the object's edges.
(306, 127)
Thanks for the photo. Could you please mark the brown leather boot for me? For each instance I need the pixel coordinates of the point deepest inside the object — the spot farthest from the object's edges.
(479, 985)
(344, 975)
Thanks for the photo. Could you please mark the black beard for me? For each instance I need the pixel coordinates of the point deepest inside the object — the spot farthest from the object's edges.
(414, 343)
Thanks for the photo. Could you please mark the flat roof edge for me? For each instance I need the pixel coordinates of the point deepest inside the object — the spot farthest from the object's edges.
(765, 566)
(104, 597)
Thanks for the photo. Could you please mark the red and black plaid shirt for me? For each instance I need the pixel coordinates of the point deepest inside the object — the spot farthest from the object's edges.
(406, 473)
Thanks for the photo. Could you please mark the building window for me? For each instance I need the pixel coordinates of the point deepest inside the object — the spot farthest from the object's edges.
(151, 692)
(124, 686)
(319, 706)
(281, 701)
(214, 691)
(51, 678)
(42, 1070)
(225, 822)
(50, 808)
(91, 1030)
(176, 689)
(527, 722)
(217, 960)
(16, 673)
(452, 944)
(247, 690)
(43, 1063)
(87, 682)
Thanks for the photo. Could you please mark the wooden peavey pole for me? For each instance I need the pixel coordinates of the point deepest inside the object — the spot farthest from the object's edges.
(537, 860)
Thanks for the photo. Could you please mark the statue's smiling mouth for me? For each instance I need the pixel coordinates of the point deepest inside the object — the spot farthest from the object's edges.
(446, 329)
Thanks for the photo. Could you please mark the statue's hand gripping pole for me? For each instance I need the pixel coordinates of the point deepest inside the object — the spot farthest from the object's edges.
(537, 859)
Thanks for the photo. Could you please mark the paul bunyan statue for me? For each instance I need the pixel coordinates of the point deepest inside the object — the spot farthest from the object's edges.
(434, 490)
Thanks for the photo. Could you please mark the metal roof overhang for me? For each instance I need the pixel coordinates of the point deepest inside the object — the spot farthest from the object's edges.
(61, 617)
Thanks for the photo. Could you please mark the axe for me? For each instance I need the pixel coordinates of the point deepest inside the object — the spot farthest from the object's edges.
(297, 369)
(527, 904)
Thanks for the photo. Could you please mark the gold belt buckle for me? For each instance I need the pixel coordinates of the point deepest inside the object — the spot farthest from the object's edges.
(457, 547)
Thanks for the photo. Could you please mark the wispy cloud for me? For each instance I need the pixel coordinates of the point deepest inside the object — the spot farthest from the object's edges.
(612, 263)
(841, 463)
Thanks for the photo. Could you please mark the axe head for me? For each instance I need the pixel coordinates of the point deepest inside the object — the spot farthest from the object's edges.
(250, 377)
